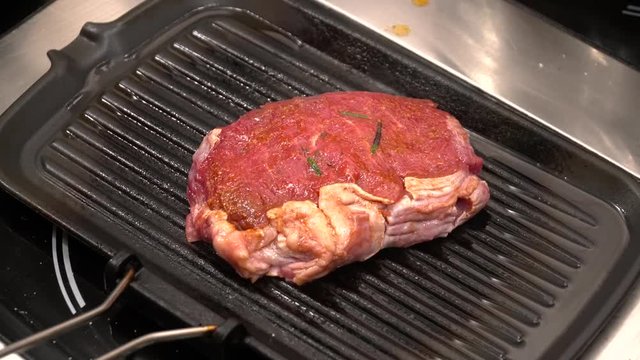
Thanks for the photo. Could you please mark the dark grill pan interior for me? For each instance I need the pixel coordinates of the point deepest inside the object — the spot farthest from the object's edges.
(529, 277)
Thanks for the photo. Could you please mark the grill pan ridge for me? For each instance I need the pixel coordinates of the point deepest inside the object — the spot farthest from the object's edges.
(529, 277)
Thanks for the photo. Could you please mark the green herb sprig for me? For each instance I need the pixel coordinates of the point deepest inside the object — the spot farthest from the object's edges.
(314, 165)
(377, 138)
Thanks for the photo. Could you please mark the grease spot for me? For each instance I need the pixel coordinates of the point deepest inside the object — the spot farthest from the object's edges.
(420, 2)
(400, 29)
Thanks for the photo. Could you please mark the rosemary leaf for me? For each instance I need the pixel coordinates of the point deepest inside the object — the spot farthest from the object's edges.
(314, 165)
(376, 139)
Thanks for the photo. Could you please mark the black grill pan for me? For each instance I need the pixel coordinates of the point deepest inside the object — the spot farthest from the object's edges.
(102, 145)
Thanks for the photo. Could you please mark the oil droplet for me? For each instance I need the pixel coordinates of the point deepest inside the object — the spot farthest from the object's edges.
(540, 65)
(400, 29)
(420, 2)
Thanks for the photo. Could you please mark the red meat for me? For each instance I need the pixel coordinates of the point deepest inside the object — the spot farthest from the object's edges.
(299, 187)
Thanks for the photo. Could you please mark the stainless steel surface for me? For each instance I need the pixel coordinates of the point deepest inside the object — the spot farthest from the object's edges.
(23, 51)
(621, 338)
(521, 59)
(156, 337)
(493, 44)
(57, 330)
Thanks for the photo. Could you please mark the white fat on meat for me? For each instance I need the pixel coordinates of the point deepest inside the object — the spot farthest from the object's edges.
(433, 207)
(305, 240)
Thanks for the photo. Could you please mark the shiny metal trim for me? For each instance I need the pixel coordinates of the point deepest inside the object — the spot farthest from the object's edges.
(495, 45)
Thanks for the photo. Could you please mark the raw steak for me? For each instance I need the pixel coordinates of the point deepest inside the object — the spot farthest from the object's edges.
(299, 187)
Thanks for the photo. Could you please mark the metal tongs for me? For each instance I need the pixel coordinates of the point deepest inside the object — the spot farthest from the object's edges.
(119, 352)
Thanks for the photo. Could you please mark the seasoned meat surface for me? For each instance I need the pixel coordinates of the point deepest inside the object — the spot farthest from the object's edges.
(301, 186)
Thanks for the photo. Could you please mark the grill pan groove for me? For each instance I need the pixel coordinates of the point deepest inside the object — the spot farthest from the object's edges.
(211, 83)
(528, 236)
(134, 192)
(157, 98)
(118, 153)
(263, 62)
(524, 188)
(126, 132)
(461, 306)
(551, 224)
(457, 278)
(181, 139)
(199, 96)
(490, 270)
(418, 313)
(503, 253)
(219, 61)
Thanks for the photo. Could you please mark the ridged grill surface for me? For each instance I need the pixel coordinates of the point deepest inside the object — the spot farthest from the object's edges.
(490, 290)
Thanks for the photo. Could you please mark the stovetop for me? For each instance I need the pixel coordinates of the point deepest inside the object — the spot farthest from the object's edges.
(48, 276)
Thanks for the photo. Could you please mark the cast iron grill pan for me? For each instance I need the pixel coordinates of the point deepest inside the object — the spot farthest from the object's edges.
(103, 143)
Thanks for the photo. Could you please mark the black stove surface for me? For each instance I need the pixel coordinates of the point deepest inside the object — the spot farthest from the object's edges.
(13, 16)
(611, 26)
(46, 277)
